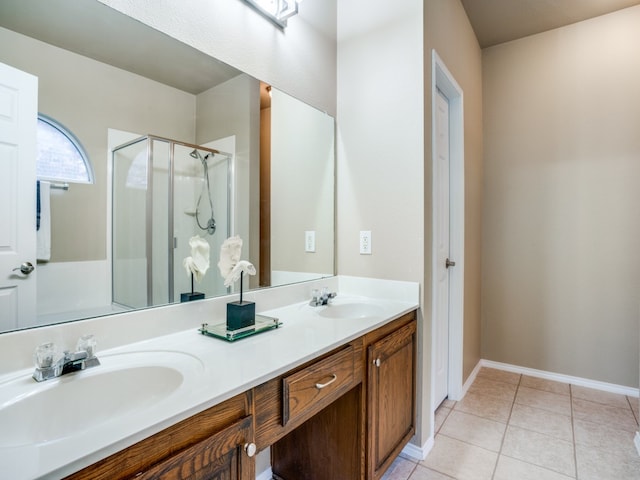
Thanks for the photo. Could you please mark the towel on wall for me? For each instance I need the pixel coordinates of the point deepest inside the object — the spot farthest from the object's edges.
(43, 221)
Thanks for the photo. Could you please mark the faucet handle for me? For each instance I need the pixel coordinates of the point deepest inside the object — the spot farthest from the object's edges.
(46, 355)
(87, 343)
(327, 295)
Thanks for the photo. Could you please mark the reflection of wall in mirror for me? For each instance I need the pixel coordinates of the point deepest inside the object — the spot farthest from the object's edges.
(224, 111)
(302, 177)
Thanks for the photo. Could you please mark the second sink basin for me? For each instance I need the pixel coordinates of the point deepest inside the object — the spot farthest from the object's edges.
(124, 384)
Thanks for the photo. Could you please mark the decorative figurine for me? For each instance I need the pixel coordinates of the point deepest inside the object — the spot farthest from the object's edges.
(240, 314)
(196, 266)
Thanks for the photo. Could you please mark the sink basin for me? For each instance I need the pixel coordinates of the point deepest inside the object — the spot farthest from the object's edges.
(34, 413)
(351, 310)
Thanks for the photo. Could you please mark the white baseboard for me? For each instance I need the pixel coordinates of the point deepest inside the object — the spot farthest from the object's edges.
(637, 442)
(558, 377)
(470, 380)
(417, 453)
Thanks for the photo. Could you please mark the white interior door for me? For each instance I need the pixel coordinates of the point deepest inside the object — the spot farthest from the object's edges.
(442, 233)
(18, 123)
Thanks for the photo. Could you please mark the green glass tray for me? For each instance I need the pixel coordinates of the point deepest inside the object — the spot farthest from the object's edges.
(219, 330)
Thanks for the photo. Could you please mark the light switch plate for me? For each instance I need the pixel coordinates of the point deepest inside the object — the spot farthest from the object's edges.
(365, 242)
(310, 241)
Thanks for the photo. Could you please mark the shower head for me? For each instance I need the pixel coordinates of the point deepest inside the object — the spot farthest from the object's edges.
(196, 154)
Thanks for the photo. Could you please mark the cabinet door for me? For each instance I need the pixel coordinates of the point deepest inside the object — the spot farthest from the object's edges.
(219, 457)
(391, 397)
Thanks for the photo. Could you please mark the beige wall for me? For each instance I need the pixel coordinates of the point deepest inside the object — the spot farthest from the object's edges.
(380, 150)
(88, 97)
(384, 159)
(380, 139)
(448, 31)
(561, 263)
(302, 186)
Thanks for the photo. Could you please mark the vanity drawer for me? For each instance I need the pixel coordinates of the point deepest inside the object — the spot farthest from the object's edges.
(318, 384)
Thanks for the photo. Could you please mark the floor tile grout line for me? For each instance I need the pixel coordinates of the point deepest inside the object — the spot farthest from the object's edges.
(436, 432)
(415, 465)
(551, 436)
(541, 467)
(467, 443)
(633, 412)
(573, 434)
(519, 384)
(608, 405)
(471, 414)
(546, 410)
(504, 435)
(608, 422)
(542, 434)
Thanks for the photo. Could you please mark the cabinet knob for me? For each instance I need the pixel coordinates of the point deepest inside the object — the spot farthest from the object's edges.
(250, 449)
(376, 362)
(320, 386)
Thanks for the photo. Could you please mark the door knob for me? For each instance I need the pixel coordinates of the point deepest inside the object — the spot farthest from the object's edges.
(449, 263)
(26, 268)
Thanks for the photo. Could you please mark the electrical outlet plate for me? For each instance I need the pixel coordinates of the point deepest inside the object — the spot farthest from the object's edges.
(310, 241)
(365, 242)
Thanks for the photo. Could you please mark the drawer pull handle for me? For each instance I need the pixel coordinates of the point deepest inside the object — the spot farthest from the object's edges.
(320, 386)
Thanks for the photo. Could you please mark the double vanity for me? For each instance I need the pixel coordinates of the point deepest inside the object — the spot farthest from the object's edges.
(331, 391)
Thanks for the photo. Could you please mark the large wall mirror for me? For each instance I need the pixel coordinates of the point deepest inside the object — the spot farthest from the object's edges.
(213, 145)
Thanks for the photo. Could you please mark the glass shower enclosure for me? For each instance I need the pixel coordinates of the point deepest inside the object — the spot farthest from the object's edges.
(164, 193)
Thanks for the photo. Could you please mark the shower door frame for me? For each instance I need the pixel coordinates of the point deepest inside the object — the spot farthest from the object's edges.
(170, 208)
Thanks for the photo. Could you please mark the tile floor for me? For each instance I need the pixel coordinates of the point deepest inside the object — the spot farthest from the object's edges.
(514, 427)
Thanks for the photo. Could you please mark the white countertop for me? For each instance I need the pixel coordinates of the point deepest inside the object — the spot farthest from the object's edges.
(217, 371)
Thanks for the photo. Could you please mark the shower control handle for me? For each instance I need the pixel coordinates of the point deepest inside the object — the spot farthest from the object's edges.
(26, 268)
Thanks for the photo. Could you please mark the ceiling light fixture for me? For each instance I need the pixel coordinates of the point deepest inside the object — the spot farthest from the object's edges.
(278, 11)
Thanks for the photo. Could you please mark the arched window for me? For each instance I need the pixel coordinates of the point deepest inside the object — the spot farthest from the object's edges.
(61, 156)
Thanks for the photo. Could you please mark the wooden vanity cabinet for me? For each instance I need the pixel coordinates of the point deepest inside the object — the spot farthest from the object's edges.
(207, 446)
(344, 415)
(286, 402)
(391, 393)
(312, 417)
(359, 434)
(218, 457)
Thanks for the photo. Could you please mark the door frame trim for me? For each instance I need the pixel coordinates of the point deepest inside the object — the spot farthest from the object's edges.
(443, 80)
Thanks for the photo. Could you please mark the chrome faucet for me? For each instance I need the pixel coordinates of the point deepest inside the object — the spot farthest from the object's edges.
(51, 364)
(321, 297)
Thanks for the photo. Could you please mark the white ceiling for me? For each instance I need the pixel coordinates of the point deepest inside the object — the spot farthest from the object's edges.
(499, 21)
